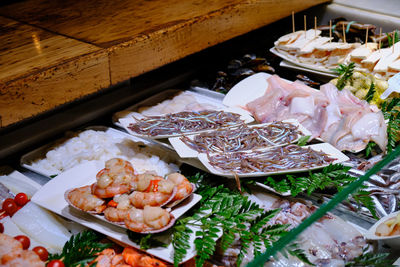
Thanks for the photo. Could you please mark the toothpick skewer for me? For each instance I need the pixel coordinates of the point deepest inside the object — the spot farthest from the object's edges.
(366, 38)
(393, 42)
(305, 26)
(380, 39)
(344, 34)
(330, 31)
(293, 28)
(315, 26)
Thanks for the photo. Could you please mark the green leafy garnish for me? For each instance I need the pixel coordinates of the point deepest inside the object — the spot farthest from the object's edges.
(145, 241)
(371, 260)
(54, 175)
(303, 140)
(80, 249)
(390, 39)
(391, 111)
(345, 72)
(370, 93)
(369, 148)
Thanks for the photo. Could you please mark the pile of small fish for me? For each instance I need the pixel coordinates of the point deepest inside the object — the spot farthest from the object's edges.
(275, 159)
(243, 138)
(185, 122)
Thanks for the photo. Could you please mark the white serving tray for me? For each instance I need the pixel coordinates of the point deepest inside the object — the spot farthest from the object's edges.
(286, 64)
(51, 197)
(324, 147)
(185, 151)
(304, 65)
(39, 152)
(200, 94)
(244, 115)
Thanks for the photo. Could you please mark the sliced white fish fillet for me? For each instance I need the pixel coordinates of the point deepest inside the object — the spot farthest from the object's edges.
(41, 226)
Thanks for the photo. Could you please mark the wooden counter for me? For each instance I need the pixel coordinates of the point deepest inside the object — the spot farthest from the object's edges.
(54, 52)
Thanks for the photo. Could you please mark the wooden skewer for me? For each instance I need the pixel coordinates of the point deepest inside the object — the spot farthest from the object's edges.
(305, 26)
(380, 39)
(330, 31)
(366, 38)
(315, 26)
(344, 34)
(293, 28)
(393, 42)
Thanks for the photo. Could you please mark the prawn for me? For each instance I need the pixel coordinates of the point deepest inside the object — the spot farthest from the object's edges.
(115, 215)
(147, 219)
(12, 254)
(142, 199)
(137, 259)
(83, 199)
(185, 188)
(116, 178)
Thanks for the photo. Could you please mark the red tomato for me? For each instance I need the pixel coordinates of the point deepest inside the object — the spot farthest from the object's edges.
(1, 228)
(41, 252)
(10, 206)
(21, 199)
(24, 241)
(55, 263)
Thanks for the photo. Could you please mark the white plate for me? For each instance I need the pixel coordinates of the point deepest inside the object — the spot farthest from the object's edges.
(247, 90)
(244, 115)
(35, 154)
(286, 64)
(324, 147)
(304, 65)
(392, 241)
(184, 151)
(51, 197)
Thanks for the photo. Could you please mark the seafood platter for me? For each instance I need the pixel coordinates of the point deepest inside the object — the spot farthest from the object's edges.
(162, 182)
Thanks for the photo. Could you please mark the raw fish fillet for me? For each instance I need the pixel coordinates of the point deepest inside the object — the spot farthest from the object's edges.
(338, 117)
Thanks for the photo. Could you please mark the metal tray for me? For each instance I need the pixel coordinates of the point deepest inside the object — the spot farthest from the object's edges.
(162, 150)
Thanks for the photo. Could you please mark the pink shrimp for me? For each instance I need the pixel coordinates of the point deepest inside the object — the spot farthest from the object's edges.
(115, 215)
(22, 258)
(136, 259)
(109, 191)
(83, 199)
(147, 219)
(12, 254)
(155, 199)
(185, 188)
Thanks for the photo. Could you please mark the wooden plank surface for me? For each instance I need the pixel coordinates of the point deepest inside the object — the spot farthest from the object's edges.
(56, 51)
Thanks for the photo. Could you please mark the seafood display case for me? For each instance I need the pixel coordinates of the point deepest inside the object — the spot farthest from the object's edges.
(248, 192)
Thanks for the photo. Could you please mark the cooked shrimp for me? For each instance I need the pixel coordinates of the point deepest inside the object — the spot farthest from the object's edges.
(154, 183)
(121, 169)
(147, 219)
(83, 199)
(109, 191)
(136, 259)
(155, 199)
(115, 215)
(9, 245)
(184, 186)
(22, 258)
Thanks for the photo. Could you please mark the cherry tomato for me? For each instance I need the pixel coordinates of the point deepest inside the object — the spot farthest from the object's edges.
(41, 252)
(10, 206)
(55, 263)
(24, 241)
(21, 199)
(1, 228)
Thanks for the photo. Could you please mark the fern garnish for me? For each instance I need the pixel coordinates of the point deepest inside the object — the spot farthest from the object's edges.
(345, 72)
(81, 249)
(145, 241)
(370, 94)
(371, 260)
(391, 111)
